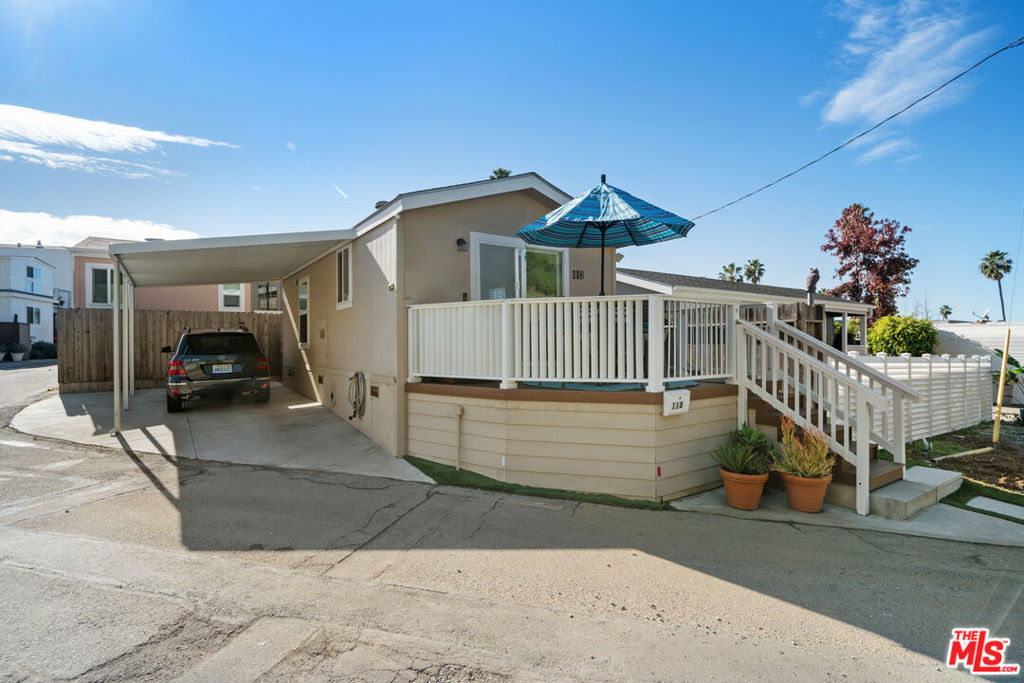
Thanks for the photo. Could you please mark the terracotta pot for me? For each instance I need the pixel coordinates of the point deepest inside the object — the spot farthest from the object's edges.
(806, 494)
(743, 491)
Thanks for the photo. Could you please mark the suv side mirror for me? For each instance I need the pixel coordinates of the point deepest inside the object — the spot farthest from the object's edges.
(166, 349)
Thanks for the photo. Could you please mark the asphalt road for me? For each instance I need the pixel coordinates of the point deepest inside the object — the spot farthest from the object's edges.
(117, 566)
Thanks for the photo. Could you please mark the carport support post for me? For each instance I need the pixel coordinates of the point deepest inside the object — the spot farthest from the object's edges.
(126, 298)
(131, 340)
(116, 315)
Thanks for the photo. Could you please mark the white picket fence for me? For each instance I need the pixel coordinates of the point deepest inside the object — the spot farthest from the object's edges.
(953, 391)
(578, 339)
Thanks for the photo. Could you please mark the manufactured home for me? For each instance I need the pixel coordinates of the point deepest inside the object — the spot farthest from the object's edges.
(436, 331)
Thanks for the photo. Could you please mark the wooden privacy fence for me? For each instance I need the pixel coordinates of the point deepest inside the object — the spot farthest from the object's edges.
(953, 391)
(85, 343)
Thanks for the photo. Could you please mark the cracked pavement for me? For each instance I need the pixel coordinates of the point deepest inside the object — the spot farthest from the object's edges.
(117, 566)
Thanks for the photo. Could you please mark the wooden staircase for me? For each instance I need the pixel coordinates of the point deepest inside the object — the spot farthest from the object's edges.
(882, 472)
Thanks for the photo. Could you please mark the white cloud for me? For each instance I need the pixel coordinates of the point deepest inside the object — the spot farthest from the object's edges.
(28, 226)
(900, 51)
(885, 149)
(29, 153)
(47, 128)
(67, 142)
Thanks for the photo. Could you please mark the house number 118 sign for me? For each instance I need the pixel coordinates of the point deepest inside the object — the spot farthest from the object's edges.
(675, 402)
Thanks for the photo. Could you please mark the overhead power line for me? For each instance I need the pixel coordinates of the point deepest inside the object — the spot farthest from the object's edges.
(1016, 43)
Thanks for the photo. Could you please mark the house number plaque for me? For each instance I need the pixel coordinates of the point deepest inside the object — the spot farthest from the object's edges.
(676, 402)
(577, 275)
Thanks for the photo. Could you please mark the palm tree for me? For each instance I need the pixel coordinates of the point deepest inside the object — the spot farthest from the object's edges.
(731, 273)
(500, 173)
(945, 311)
(994, 265)
(754, 270)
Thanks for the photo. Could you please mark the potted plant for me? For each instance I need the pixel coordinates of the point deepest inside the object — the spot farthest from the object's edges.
(17, 351)
(743, 465)
(805, 465)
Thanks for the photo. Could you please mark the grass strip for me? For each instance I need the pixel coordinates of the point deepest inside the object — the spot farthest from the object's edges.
(449, 476)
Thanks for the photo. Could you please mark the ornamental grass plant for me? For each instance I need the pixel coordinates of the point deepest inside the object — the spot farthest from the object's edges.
(804, 455)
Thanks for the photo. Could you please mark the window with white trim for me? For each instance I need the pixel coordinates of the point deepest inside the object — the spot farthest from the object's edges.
(268, 296)
(32, 315)
(231, 297)
(303, 313)
(504, 267)
(344, 276)
(99, 285)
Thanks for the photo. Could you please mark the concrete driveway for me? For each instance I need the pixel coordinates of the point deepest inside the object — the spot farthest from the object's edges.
(289, 431)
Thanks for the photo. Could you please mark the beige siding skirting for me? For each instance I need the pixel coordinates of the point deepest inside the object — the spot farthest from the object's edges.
(601, 447)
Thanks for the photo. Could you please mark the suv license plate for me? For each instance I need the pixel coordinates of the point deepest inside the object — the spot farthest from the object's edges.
(221, 368)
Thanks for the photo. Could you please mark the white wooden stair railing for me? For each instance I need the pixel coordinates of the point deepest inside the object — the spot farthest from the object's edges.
(813, 393)
(890, 426)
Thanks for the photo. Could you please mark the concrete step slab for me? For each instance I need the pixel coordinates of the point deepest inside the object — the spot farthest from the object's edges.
(920, 488)
(998, 506)
(945, 481)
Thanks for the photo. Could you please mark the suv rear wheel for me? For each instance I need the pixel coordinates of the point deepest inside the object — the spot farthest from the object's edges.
(173, 404)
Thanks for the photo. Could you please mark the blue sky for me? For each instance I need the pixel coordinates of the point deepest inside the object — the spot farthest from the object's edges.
(171, 119)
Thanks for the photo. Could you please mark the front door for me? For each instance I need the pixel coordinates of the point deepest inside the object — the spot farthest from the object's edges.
(507, 268)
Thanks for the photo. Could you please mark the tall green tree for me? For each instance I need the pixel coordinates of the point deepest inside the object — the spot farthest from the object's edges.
(994, 265)
(753, 270)
(500, 173)
(874, 267)
(945, 311)
(731, 273)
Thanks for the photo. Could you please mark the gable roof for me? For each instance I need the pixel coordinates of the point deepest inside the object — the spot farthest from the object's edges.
(93, 242)
(419, 199)
(765, 291)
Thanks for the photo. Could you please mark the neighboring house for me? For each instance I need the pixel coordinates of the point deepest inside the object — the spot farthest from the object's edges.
(838, 312)
(30, 289)
(94, 277)
(26, 293)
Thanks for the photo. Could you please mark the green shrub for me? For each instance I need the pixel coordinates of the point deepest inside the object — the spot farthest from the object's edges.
(17, 348)
(897, 334)
(852, 326)
(42, 349)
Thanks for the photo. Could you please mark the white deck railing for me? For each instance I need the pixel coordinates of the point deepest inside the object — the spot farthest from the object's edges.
(580, 339)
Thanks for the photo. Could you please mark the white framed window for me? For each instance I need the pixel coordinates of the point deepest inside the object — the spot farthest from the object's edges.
(343, 274)
(502, 267)
(32, 315)
(268, 296)
(231, 297)
(303, 313)
(99, 285)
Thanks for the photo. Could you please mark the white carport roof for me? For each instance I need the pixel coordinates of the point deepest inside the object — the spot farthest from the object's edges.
(214, 260)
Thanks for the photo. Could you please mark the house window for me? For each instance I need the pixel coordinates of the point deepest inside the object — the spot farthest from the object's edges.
(32, 315)
(231, 297)
(506, 267)
(31, 284)
(304, 313)
(99, 285)
(344, 277)
(268, 296)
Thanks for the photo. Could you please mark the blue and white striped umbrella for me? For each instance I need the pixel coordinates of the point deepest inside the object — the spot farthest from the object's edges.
(605, 217)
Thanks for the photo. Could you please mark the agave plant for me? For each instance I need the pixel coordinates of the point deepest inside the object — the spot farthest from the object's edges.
(755, 441)
(738, 459)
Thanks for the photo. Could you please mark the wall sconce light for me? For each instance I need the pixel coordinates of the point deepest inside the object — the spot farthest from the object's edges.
(462, 244)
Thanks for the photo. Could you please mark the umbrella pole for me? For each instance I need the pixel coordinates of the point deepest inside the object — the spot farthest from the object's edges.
(602, 260)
